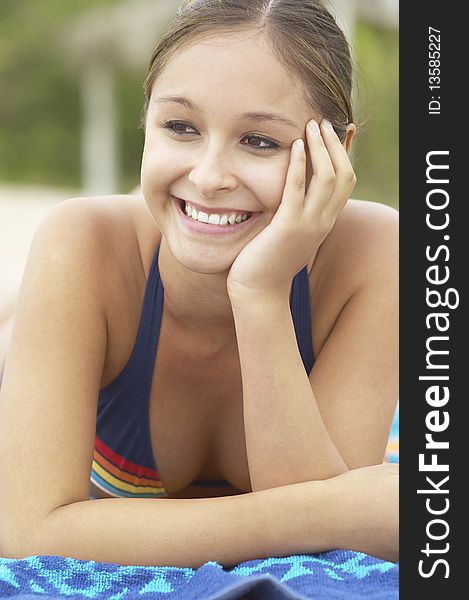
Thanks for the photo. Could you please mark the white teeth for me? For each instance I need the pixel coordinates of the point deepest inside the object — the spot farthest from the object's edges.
(214, 219)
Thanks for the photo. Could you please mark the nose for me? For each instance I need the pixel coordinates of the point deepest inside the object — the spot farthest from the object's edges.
(212, 172)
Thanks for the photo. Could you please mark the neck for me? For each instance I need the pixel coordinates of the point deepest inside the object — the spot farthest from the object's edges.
(196, 304)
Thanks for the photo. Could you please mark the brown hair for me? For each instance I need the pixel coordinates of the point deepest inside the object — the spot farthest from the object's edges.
(304, 36)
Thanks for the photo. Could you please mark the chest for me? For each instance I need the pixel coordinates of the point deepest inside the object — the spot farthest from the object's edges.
(195, 411)
(196, 417)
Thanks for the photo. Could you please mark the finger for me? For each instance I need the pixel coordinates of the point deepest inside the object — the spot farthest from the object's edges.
(323, 179)
(345, 178)
(295, 183)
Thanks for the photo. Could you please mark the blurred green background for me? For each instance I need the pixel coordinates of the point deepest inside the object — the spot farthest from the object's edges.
(41, 110)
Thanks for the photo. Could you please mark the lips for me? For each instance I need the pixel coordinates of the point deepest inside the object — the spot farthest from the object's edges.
(201, 226)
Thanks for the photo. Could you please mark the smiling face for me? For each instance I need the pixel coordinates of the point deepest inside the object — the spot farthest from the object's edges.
(207, 143)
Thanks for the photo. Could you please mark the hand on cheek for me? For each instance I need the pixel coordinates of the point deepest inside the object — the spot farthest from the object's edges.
(319, 182)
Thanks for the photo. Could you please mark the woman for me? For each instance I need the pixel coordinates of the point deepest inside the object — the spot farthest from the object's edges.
(236, 323)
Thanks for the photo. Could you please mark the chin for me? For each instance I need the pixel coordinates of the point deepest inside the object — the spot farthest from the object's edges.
(202, 258)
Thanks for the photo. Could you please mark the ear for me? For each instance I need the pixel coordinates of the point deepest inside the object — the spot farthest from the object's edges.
(350, 132)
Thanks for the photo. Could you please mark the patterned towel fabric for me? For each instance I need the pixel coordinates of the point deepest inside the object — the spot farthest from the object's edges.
(335, 575)
(340, 575)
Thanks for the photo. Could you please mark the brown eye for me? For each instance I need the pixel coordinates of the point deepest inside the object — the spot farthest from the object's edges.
(255, 142)
(178, 127)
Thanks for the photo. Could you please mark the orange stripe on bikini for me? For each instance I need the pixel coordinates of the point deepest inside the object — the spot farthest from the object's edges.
(117, 484)
(127, 477)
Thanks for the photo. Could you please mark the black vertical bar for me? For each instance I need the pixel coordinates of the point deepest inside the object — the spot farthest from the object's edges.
(433, 257)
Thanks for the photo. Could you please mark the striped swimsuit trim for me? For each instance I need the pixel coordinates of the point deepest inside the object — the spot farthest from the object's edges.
(119, 477)
(124, 424)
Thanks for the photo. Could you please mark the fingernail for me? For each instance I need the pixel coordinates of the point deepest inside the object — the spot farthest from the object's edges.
(313, 126)
(300, 144)
(327, 124)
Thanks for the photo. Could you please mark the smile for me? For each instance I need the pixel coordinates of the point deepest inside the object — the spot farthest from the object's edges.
(214, 218)
(216, 222)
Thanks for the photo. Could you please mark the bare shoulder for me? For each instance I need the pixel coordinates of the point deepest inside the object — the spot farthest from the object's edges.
(368, 219)
(100, 218)
(108, 231)
(362, 243)
(360, 251)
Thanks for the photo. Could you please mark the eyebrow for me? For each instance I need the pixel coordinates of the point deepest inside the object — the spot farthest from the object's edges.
(258, 116)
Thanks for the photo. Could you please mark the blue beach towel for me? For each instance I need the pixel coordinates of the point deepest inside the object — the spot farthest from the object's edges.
(335, 575)
(340, 574)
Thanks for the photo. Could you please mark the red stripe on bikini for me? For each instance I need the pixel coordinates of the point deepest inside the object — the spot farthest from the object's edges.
(123, 464)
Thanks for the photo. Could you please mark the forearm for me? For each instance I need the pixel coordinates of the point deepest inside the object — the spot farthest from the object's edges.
(286, 439)
(190, 532)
